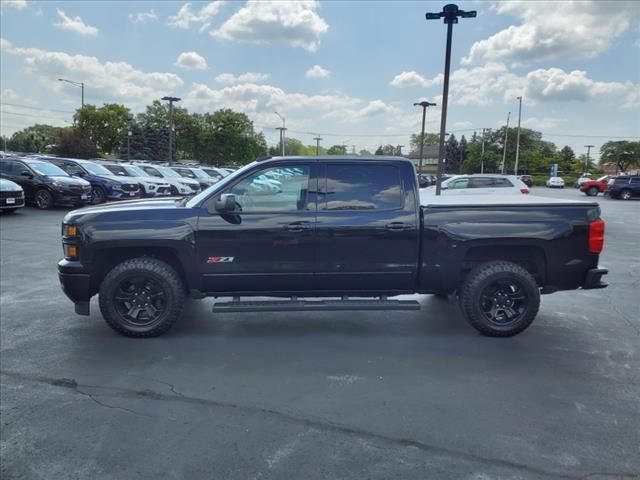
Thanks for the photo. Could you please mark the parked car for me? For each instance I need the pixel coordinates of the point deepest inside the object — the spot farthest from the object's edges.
(196, 174)
(624, 188)
(11, 196)
(44, 184)
(426, 180)
(527, 180)
(214, 173)
(583, 178)
(151, 186)
(180, 186)
(364, 233)
(105, 185)
(555, 182)
(480, 184)
(593, 187)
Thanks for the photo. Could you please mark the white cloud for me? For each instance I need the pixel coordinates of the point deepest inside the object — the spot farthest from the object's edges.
(554, 84)
(541, 123)
(17, 4)
(74, 24)
(143, 17)
(191, 61)
(554, 30)
(106, 81)
(293, 22)
(317, 72)
(414, 79)
(186, 16)
(249, 77)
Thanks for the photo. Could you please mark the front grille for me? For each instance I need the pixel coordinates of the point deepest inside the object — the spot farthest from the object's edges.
(86, 188)
(76, 188)
(195, 188)
(15, 194)
(130, 187)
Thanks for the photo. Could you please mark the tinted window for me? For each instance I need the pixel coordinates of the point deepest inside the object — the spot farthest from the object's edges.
(117, 169)
(459, 183)
(46, 168)
(70, 168)
(96, 169)
(635, 180)
(277, 189)
(152, 171)
(5, 166)
(362, 187)
(185, 172)
(481, 182)
(502, 182)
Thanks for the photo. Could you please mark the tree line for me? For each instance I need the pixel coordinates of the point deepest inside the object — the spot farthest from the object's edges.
(229, 137)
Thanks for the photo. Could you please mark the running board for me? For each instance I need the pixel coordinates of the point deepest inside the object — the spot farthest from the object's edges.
(295, 305)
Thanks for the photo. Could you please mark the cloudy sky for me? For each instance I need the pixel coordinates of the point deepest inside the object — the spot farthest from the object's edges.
(349, 71)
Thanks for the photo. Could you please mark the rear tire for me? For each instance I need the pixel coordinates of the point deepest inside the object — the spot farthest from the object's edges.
(141, 297)
(499, 299)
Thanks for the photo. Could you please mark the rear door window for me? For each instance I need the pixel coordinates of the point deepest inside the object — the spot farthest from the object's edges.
(502, 182)
(459, 183)
(362, 187)
(481, 182)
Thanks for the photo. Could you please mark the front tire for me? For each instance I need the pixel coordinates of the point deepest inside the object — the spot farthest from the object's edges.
(44, 199)
(141, 297)
(499, 299)
(98, 195)
(625, 194)
(592, 191)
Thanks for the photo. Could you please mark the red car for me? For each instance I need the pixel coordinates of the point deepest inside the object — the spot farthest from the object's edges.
(593, 187)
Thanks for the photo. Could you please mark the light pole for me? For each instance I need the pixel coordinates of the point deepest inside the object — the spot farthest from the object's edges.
(424, 105)
(77, 84)
(282, 130)
(317, 139)
(482, 154)
(129, 133)
(518, 138)
(170, 100)
(449, 14)
(504, 148)
(586, 161)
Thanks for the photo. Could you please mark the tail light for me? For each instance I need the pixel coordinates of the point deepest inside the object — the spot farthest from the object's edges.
(524, 190)
(596, 236)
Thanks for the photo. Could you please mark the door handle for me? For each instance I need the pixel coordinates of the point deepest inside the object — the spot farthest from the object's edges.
(398, 226)
(298, 226)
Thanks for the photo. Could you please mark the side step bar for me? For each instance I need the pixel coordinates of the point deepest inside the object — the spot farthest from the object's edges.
(295, 305)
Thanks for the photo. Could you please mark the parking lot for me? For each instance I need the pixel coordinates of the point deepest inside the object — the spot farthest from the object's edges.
(362, 395)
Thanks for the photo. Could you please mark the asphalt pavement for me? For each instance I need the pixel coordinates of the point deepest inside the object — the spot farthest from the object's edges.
(371, 395)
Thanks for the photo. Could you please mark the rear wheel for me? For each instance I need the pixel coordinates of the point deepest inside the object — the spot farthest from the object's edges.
(499, 299)
(625, 194)
(592, 191)
(141, 297)
(44, 199)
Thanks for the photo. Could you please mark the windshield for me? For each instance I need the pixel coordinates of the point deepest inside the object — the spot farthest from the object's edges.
(96, 169)
(199, 173)
(168, 172)
(184, 172)
(135, 171)
(45, 168)
(218, 186)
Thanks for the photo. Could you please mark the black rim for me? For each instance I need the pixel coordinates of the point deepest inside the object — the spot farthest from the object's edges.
(140, 300)
(97, 196)
(43, 199)
(504, 302)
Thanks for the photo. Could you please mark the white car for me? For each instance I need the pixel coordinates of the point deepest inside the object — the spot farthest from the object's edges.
(11, 196)
(151, 186)
(555, 182)
(581, 180)
(179, 185)
(480, 184)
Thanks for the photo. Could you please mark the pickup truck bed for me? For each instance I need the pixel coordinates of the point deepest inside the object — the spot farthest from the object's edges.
(298, 227)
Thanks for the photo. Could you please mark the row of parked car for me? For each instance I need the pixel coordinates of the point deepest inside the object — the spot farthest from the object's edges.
(45, 181)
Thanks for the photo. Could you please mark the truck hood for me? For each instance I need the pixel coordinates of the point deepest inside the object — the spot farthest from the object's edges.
(165, 203)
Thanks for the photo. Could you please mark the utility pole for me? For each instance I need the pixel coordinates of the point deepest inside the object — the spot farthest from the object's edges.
(586, 161)
(282, 130)
(482, 154)
(129, 133)
(353, 149)
(504, 147)
(449, 14)
(518, 139)
(317, 139)
(399, 150)
(76, 84)
(170, 100)
(424, 106)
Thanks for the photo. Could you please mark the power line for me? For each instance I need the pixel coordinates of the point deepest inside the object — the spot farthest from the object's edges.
(35, 108)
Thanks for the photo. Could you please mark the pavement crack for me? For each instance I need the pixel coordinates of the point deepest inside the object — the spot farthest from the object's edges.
(114, 407)
(620, 312)
(320, 424)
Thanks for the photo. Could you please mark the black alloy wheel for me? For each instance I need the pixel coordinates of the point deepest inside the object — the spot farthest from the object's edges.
(139, 300)
(97, 195)
(44, 199)
(503, 302)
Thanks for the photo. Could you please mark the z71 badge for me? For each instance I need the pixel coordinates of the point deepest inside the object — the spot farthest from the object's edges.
(220, 259)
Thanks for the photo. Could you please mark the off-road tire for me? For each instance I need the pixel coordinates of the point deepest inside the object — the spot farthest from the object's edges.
(484, 275)
(161, 273)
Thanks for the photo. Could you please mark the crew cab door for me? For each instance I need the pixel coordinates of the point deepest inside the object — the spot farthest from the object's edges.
(367, 228)
(267, 243)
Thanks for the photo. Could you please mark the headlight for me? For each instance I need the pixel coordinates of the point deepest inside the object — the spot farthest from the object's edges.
(152, 187)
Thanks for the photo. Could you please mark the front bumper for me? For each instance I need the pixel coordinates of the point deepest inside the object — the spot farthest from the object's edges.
(11, 199)
(593, 279)
(71, 198)
(75, 284)
(123, 195)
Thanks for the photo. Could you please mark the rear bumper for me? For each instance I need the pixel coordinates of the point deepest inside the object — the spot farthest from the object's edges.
(75, 284)
(593, 279)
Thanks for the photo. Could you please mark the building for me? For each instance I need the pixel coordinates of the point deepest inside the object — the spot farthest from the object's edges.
(430, 158)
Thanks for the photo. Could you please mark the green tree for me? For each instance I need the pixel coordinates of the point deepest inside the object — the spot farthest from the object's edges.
(463, 150)
(566, 157)
(35, 138)
(365, 153)
(105, 126)
(337, 150)
(623, 154)
(75, 144)
(429, 139)
(452, 155)
(386, 150)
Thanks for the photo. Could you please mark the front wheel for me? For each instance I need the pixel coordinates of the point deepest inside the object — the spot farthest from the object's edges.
(625, 194)
(592, 191)
(141, 297)
(98, 195)
(499, 299)
(44, 199)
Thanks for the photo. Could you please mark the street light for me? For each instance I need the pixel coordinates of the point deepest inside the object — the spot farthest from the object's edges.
(504, 149)
(424, 104)
(77, 84)
(170, 100)
(518, 139)
(129, 133)
(282, 129)
(449, 14)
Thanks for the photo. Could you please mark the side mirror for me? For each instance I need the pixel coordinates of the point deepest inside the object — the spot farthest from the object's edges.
(226, 203)
(26, 174)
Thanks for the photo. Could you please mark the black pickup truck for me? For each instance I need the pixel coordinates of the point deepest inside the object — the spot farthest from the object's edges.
(327, 233)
